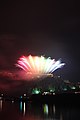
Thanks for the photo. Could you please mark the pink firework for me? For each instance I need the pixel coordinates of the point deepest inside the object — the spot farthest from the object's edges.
(38, 66)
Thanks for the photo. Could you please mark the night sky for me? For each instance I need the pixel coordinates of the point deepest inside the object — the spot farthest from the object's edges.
(50, 28)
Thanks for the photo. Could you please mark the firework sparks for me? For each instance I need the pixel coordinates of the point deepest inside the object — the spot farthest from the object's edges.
(38, 66)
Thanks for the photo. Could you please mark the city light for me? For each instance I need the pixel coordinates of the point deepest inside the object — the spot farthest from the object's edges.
(36, 91)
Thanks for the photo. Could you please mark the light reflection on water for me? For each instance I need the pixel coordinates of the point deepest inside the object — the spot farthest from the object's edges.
(27, 111)
(1, 105)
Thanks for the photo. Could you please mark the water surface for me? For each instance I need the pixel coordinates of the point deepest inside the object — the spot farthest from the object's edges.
(10, 110)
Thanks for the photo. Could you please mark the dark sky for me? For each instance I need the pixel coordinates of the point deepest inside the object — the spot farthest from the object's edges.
(50, 28)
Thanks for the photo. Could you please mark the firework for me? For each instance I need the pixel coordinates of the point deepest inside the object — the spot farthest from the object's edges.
(38, 66)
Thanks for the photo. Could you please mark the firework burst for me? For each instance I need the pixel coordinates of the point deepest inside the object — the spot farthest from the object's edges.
(38, 66)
